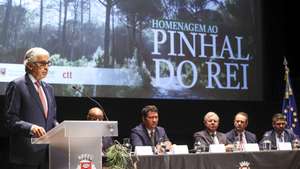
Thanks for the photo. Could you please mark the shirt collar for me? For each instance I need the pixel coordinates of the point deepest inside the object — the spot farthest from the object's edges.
(32, 78)
(281, 135)
(238, 133)
(149, 131)
(212, 133)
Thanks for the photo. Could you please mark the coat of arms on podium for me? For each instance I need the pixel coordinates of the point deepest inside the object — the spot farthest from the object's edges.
(86, 162)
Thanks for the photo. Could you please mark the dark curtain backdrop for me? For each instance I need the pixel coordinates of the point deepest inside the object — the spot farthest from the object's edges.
(182, 118)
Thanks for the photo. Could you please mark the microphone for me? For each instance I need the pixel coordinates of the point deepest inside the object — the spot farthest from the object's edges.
(93, 100)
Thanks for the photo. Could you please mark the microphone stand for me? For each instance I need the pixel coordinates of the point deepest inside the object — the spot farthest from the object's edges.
(93, 100)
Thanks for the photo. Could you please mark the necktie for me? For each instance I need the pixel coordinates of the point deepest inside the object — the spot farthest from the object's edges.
(152, 137)
(215, 139)
(280, 138)
(241, 138)
(42, 98)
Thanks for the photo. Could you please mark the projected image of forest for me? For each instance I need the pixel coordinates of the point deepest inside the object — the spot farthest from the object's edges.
(165, 49)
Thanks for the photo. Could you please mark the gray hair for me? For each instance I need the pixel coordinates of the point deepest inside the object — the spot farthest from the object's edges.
(209, 114)
(32, 53)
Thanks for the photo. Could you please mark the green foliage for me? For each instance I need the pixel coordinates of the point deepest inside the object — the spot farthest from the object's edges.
(57, 60)
(118, 157)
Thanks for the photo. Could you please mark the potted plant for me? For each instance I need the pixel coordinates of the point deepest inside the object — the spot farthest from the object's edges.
(118, 157)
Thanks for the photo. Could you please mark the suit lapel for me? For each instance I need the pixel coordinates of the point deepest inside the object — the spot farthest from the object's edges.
(157, 136)
(273, 138)
(286, 136)
(247, 136)
(219, 137)
(148, 141)
(209, 138)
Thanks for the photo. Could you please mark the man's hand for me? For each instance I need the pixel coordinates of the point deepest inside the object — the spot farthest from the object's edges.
(168, 145)
(229, 147)
(163, 147)
(37, 131)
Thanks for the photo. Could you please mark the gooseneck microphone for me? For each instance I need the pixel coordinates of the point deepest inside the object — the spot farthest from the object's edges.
(93, 100)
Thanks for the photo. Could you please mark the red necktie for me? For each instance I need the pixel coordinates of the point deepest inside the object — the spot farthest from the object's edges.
(42, 98)
(241, 138)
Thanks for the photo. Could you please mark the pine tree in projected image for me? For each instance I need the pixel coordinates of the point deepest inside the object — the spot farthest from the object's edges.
(289, 107)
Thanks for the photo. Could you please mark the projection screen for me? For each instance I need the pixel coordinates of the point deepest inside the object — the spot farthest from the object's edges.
(164, 49)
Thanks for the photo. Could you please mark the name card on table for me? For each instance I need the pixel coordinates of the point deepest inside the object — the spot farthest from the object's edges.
(284, 146)
(217, 148)
(180, 149)
(143, 150)
(251, 147)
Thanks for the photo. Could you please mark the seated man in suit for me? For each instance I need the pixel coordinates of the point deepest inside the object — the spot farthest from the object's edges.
(239, 133)
(210, 135)
(97, 114)
(279, 133)
(148, 133)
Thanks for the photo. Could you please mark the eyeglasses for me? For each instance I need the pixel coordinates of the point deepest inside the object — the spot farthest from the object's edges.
(43, 63)
(95, 118)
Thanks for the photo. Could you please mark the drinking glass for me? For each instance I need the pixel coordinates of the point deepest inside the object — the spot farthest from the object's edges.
(162, 147)
(266, 145)
(127, 145)
(237, 146)
(197, 147)
(296, 144)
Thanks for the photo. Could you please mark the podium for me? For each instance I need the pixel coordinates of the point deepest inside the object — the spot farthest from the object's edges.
(76, 143)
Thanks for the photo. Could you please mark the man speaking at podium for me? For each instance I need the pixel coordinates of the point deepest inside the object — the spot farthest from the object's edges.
(30, 111)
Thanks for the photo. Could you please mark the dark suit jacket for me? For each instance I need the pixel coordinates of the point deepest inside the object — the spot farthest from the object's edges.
(106, 143)
(140, 137)
(23, 108)
(204, 137)
(232, 136)
(289, 136)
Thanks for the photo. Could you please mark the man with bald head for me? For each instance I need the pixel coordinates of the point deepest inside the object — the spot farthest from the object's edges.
(239, 133)
(97, 114)
(210, 135)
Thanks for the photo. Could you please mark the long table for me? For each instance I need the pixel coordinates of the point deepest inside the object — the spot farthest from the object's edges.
(234, 160)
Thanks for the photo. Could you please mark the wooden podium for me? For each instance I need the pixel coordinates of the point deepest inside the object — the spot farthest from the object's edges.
(73, 144)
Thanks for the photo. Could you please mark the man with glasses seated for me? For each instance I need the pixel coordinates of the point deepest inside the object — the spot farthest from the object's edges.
(279, 133)
(30, 111)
